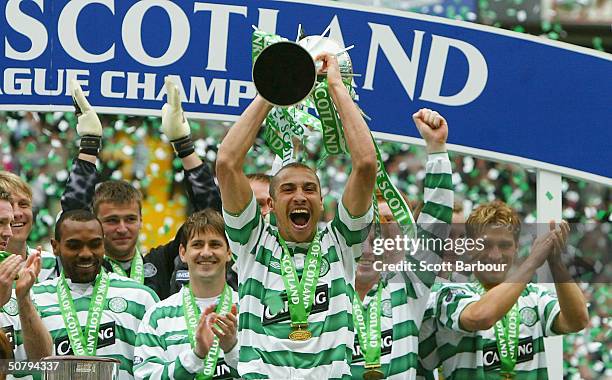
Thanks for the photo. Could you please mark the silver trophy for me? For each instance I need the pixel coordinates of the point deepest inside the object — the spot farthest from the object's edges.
(80, 368)
(285, 72)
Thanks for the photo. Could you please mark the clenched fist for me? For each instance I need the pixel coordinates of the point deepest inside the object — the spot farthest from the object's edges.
(433, 128)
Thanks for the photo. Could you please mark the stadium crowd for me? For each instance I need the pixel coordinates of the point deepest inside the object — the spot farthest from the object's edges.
(40, 148)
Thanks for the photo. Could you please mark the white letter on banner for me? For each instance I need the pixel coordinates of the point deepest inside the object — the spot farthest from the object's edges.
(406, 69)
(267, 20)
(29, 27)
(432, 84)
(178, 82)
(73, 74)
(40, 76)
(219, 25)
(106, 88)
(199, 90)
(17, 86)
(235, 94)
(133, 85)
(179, 33)
(335, 33)
(67, 31)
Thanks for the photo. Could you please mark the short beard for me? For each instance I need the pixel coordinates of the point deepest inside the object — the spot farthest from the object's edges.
(75, 277)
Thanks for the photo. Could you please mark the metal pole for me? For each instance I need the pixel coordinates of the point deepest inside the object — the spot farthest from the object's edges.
(548, 205)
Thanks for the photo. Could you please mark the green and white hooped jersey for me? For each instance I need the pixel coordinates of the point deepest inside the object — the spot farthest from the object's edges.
(474, 355)
(429, 360)
(123, 311)
(163, 350)
(11, 325)
(48, 265)
(264, 323)
(405, 295)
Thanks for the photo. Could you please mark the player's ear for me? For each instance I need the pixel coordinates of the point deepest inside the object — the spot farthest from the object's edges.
(182, 252)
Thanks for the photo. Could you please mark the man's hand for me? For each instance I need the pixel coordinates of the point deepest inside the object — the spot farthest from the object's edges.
(89, 127)
(174, 124)
(204, 335)
(433, 128)
(226, 332)
(28, 274)
(88, 121)
(9, 269)
(331, 68)
(561, 233)
(543, 246)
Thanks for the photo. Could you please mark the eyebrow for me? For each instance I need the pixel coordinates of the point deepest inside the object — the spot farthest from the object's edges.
(309, 183)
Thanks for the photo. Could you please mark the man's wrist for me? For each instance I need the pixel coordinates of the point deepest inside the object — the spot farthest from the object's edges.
(231, 347)
(183, 146)
(436, 148)
(199, 354)
(90, 144)
(24, 301)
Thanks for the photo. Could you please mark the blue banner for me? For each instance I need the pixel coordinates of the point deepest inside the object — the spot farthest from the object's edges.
(506, 95)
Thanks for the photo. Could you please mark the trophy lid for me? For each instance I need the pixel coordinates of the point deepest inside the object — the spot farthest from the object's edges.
(284, 73)
(317, 45)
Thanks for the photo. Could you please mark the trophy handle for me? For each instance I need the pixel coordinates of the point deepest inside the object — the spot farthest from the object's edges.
(284, 74)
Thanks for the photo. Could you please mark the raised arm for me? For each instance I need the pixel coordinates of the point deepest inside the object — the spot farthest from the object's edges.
(199, 181)
(36, 338)
(79, 190)
(435, 218)
(233, 183)
(438, 186)
(573, 315)
(357, 197)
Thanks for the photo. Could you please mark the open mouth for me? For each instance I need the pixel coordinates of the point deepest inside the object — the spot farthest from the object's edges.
(17, 225)
(299, 217)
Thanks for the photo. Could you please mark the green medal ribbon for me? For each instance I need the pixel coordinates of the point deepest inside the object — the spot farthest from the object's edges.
(300, 295)
(333, 135)
(136, 271)
(262, 40)
(88, 344)
(398, 206)
(286, 127)
(192, 317)
(367, 323)
(272, 138)
(507, 337)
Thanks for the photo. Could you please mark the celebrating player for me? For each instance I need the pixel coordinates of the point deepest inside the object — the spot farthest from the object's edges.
(88, 311)
(310, 339)
(496, 325)
(28, 337)
(178, 337)
(388, 311)
(118, 204)
(21, 193)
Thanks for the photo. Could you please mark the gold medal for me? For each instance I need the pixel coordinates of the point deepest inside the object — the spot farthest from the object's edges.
(373, 374)
(300, 333)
